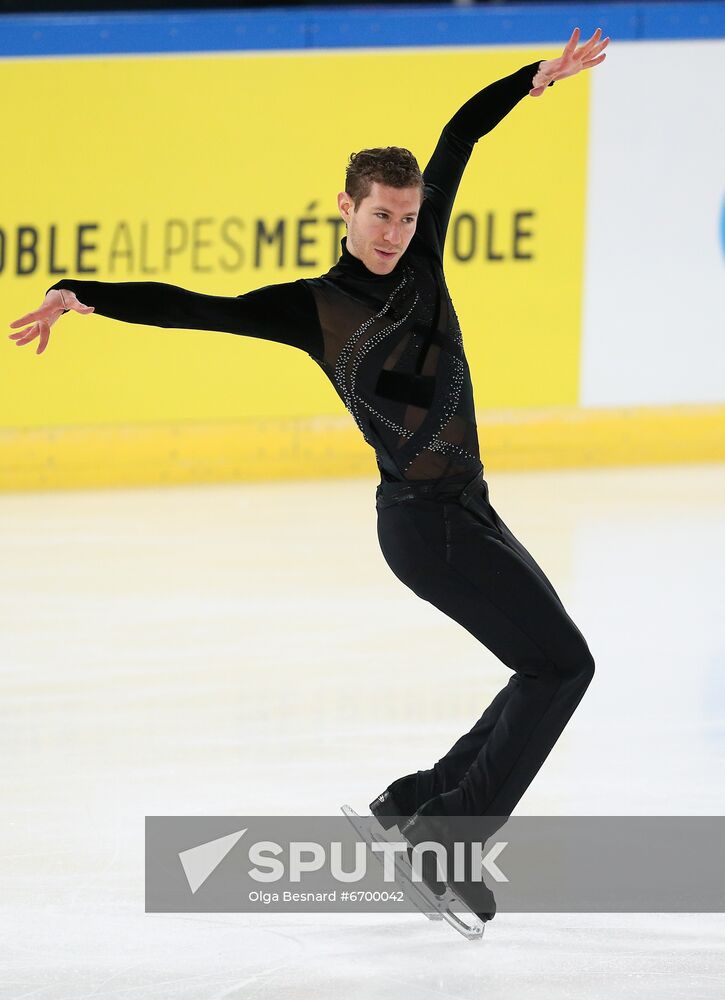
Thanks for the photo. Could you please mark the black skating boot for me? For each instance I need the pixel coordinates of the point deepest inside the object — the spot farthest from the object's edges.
(422, 826)
(431, 822)
(397, 800)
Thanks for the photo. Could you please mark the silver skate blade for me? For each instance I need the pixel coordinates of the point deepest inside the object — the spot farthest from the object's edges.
(473, 929)
(434, 907)
(418, 898)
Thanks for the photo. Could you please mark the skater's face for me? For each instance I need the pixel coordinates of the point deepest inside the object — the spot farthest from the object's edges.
(381, 227)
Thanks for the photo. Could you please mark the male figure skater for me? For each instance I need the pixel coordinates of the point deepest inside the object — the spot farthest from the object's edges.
(382, 327)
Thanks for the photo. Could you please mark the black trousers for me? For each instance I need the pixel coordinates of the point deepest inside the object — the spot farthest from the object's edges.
(449, 546)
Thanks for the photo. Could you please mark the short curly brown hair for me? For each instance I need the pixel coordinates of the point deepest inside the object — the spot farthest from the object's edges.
(390, 165)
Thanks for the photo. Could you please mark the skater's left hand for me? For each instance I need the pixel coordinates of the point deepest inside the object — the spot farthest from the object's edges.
(571, 61)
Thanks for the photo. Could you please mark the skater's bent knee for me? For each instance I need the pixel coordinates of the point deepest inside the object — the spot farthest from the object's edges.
(578, 665)
(586, 667)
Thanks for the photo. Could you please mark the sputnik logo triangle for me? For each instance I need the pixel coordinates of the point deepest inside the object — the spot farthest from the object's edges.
(199, 862)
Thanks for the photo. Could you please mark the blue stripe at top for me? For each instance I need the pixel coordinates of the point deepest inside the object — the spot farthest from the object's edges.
(351, 27)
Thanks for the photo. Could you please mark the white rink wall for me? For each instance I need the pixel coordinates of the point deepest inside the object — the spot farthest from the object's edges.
(654, 291)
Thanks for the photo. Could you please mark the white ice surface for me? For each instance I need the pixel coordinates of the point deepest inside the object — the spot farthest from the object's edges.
(244, 649)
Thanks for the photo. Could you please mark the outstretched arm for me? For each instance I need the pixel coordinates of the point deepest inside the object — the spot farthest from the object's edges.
(283, 313)
(480, 115)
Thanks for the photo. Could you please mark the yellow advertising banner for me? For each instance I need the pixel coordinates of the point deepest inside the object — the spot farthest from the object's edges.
(219, 173)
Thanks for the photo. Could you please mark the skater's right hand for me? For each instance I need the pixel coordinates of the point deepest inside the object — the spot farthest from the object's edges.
(56, 301)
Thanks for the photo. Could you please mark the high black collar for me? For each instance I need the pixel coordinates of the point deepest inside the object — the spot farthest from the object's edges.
(355, 268)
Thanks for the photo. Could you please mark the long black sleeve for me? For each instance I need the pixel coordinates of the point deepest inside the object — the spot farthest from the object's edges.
(476, 118)
(284, 313)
